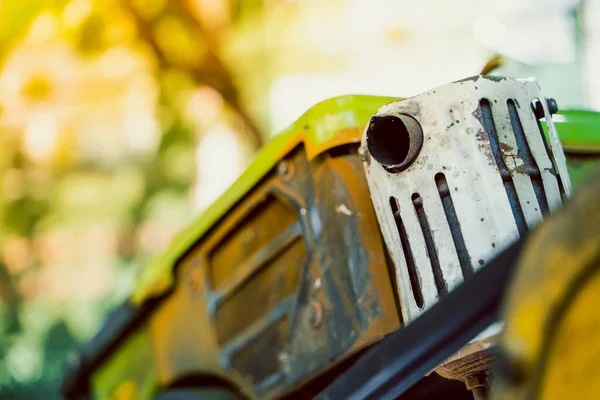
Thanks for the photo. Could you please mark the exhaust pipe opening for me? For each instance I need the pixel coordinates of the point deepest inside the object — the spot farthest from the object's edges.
(394, 141)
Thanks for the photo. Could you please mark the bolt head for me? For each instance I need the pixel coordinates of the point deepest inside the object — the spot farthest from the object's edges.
(552, 106)
(475, 381)
(285, 169)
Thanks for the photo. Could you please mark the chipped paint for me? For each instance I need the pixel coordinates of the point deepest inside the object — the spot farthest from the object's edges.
(343, 210)
(495, 192)
(317, 284)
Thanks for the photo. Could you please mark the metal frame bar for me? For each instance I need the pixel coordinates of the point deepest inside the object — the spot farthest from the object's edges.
(402, 358)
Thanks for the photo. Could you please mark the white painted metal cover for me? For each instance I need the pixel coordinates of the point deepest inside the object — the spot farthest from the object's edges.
(484, 175)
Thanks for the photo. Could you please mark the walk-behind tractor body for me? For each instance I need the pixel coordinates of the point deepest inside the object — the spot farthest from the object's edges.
(334, 266)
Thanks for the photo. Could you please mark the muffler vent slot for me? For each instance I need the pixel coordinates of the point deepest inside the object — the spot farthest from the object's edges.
(438, 277)
(454, 224)
(487, 120)
(547, 147)
(531, 167)
(408, 256)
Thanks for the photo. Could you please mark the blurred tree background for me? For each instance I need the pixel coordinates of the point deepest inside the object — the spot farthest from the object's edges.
(102, 106)
(120, 120)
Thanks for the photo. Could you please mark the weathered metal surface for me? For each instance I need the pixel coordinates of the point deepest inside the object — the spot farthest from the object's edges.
(342, 193)
(482, 178)
(331, 123)
(472, 359)
(550, 348)
(391, 367)
(286, 285)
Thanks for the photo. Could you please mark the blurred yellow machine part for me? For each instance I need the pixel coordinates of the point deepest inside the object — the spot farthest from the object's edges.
(551, 344)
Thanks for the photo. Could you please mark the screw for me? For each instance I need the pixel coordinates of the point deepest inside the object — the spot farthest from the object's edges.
(479, 393)
(285, 169)
(477, 384)
(315, 314)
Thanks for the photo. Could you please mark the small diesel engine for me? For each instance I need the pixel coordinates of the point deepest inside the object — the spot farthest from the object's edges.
(347, 227)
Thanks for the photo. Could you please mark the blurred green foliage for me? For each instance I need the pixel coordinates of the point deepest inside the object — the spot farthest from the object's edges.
(82, 208)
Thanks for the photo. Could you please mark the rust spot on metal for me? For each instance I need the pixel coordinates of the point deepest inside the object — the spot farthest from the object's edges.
(506, 148)
(484, 146)
(246, 294)
(521, 169)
